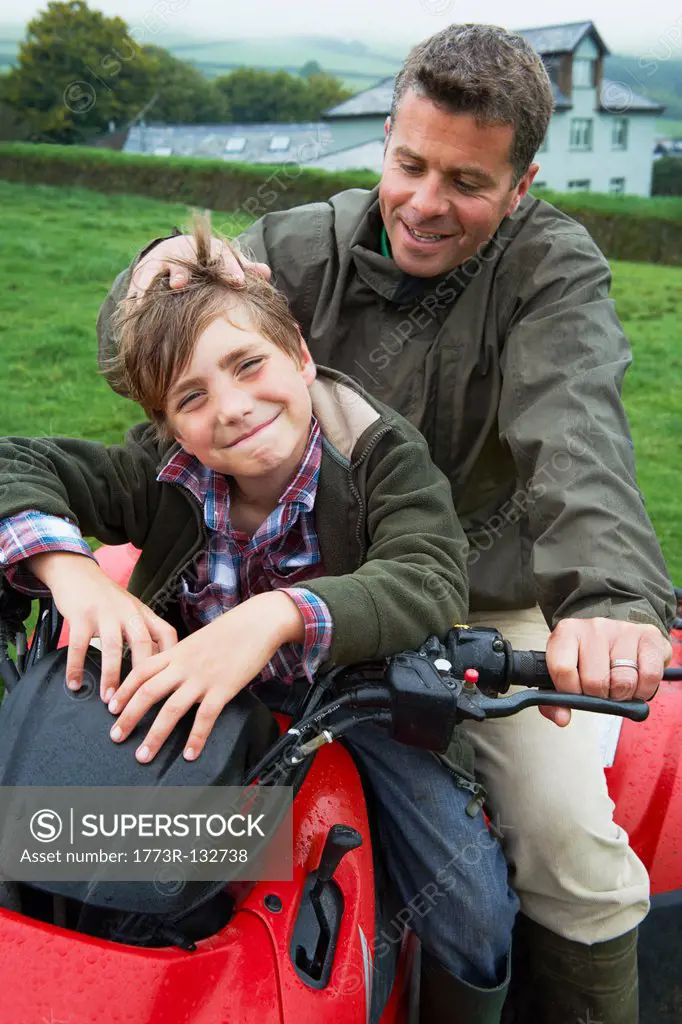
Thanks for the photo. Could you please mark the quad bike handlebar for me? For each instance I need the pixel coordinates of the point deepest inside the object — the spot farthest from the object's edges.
(421, 695)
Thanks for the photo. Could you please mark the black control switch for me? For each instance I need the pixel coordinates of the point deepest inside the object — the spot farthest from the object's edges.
(341, 839)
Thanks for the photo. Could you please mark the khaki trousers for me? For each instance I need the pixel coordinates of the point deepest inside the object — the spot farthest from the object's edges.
(570, 864)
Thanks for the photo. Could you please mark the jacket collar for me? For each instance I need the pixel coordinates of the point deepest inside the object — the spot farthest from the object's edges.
(342, 411)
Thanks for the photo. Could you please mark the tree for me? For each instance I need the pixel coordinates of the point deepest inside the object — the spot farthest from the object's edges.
(77, 70)
(13, 127)
(184, 94)
(325, 92)
(255, 96)
(311, 67)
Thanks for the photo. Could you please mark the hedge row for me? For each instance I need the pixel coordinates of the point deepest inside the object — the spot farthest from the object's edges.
(253, 188)
(624, 227)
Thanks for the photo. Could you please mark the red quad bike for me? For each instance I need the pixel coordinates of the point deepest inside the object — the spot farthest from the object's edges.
(304, 951)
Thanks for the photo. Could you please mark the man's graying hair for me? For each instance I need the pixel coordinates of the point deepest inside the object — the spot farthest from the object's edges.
(488, 72)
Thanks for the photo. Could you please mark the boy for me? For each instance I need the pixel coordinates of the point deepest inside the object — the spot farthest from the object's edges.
(286, 521)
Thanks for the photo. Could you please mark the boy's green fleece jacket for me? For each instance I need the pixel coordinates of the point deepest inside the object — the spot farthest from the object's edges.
(393, 553)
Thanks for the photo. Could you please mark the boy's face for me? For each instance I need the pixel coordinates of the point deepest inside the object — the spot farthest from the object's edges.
(242, 405)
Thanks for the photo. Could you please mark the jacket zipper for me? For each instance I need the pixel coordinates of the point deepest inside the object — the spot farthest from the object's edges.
(355, 492)
(192, 554)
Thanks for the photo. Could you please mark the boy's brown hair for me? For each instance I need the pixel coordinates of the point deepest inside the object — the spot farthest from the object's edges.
(157, 333)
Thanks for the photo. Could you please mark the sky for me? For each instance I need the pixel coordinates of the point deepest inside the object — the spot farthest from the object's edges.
(625, 28)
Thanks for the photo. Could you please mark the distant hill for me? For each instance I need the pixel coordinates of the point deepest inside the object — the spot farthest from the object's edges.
(9, 42)
(356, 63)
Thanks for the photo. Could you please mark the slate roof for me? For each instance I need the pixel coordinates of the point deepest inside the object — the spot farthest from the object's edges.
(250, 143)
(561, 38)
(618, 98)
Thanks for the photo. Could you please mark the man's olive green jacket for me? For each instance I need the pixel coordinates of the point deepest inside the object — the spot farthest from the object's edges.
(393, 553)
(511, 366)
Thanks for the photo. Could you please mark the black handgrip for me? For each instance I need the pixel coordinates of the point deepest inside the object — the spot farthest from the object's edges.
(529, 668)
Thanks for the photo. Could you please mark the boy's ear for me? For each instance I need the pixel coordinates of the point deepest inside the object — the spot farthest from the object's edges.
(308, 369)
(181, 441)
(173, 434)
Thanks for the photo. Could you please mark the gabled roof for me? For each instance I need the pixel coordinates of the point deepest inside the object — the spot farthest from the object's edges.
(562, 38)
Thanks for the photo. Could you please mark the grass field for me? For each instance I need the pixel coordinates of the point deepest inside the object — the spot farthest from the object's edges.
(63, 247)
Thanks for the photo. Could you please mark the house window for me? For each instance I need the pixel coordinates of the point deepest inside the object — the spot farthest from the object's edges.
(619, 133)
(617, 185)
(581, 133)
(236, 144)
(582, 73)
(579, 185)
(279, 144)
(538, 185)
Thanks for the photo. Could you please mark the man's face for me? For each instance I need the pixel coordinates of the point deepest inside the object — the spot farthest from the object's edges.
(449, 180)
(242, 405)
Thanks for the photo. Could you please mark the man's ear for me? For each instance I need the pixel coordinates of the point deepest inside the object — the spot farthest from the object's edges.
(521, 188)
(387, 127)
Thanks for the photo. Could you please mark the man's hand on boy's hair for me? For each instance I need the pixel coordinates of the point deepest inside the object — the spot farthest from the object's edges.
(207, 668)
(94, 606)
(181, 247)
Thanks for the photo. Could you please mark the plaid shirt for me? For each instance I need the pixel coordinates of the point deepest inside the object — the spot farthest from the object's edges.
(230, 568)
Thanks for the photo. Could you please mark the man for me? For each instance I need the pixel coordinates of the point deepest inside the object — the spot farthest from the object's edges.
(482, 314)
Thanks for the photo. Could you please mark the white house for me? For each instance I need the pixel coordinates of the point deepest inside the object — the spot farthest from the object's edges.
(600, 138)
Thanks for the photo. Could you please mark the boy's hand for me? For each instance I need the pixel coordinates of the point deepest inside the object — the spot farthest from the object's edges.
(208, 668)
(95, 606)
(164, 255)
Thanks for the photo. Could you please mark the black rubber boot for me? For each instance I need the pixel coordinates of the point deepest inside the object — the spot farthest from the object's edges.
(557, 981)
(445, 999)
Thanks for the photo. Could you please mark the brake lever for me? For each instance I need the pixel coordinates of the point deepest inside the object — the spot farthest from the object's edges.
(503, 707)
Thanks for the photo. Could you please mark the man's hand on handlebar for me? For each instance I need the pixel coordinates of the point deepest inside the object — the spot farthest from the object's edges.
(581, 654)
(164, 257)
